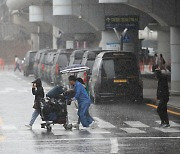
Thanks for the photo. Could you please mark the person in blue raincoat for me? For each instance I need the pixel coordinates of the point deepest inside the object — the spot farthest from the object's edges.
(84, 102)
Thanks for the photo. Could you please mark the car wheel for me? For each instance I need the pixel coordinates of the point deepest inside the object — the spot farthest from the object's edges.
(138, 99)
(96, 100)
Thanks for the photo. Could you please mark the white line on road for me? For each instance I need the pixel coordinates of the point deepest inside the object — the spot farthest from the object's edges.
(132, 130)
(79, 139)
(114, 145)
(8, 127)
(103, 124)
(135, 124)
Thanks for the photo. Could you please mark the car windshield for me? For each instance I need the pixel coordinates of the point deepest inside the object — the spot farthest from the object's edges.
(63, 60)
(119, 68)
(32, 56)
(79, 55)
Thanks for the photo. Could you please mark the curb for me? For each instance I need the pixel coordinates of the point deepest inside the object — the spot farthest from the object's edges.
(170, 107)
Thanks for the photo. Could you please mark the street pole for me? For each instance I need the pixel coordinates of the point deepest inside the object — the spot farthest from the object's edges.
(120, 37)
(121, 42)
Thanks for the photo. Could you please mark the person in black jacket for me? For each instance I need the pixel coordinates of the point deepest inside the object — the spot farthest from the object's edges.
(163, 97)
(38, 91)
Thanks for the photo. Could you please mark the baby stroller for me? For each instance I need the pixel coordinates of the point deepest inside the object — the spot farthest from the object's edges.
(54, 108)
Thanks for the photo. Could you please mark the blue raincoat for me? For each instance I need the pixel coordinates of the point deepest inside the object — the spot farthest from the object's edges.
(84, 103)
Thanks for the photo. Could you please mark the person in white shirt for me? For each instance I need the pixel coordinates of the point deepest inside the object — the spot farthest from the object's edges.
(17, 64)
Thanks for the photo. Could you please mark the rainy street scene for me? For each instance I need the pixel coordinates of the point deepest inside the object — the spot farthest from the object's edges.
(89, 77)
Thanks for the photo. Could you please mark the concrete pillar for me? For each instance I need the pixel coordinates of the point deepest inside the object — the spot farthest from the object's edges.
(56, 35)
(62, 7)
(164, 45)
(34, 41)
(175, 59)
(36, 13)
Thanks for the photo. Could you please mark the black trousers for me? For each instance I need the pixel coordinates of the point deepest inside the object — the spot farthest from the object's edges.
(162, 111)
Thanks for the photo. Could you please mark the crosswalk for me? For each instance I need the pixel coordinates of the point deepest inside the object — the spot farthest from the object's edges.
(103, 127)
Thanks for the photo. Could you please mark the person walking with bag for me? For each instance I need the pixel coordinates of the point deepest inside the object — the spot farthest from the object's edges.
(38, 91)
(163, 97)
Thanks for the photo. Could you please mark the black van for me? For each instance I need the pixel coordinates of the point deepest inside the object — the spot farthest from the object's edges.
(29, 62)
(60, 61)
(116, 75)
(76, 57)
(89, 58)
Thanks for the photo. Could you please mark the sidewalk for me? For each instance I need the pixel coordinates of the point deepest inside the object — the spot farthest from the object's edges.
(150, 88)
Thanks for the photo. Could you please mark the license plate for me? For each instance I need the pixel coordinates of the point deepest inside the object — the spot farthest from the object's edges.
(120, 81)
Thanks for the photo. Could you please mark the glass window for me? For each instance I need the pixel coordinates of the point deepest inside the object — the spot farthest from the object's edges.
(119, 68)
(63, 60)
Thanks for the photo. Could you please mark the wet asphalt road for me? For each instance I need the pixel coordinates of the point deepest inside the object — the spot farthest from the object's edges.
(123, 127)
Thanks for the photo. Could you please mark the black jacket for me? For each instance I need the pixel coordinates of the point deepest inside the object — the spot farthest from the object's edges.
(163, 89)
(39, 93)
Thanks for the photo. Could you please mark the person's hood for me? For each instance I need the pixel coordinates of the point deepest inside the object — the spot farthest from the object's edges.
(38, 82)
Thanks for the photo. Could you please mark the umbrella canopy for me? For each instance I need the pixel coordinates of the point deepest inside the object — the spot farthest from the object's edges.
(74, 69)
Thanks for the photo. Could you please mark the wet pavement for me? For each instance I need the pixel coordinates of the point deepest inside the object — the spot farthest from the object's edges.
(123, 126)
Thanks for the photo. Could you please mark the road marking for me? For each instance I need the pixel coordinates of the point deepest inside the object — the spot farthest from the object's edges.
(98, 131)
(7, 90)
(8, 127)
(132, 130)
(62, 132)
(173, 124)
(114, 145)
(84, 139)
(103, 124)
(169, 111)
(135, 124)
(167, 130)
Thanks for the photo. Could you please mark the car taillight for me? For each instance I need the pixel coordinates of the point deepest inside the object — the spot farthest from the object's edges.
(85, 77)
(57, 69)
(43, 67)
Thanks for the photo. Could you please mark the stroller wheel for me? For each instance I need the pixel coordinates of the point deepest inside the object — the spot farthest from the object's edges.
(68, 126)
(49, 128)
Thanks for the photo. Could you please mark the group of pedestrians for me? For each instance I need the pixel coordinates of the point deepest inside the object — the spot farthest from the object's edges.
(159, 62)
(81, 96)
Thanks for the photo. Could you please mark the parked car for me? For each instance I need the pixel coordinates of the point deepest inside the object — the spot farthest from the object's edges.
(48, 64)
(37, 61)
(29, 62)
(115, 75)
(60, 62)
(42, 63)
(76, 57)
(88, 59)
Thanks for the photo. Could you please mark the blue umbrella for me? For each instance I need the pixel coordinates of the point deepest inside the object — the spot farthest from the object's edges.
(75, 68)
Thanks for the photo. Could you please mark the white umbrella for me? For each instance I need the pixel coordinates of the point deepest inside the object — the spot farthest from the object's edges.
(74, 69)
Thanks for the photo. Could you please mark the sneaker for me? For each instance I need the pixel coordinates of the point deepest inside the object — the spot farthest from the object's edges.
(166, 125)
(76, 126)
(29, 126)
(93, 125)
(162, 125)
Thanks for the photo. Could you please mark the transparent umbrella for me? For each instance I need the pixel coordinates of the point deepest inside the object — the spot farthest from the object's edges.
(74, 69)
